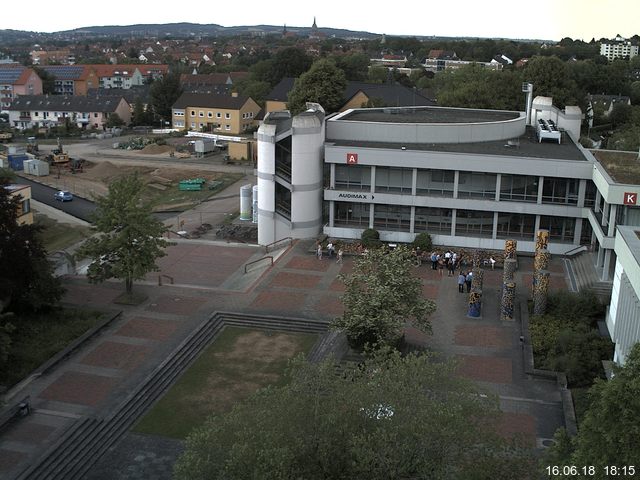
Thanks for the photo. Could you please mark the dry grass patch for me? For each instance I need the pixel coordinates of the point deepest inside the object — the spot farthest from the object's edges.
(236, 364)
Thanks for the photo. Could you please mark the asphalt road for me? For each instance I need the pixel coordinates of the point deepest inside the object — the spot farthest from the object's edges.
(78, 207)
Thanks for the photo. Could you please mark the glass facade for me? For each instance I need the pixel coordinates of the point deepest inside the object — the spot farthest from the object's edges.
(352, 214)
(435, 182)
(561, 229)
(283, 159)
(394, 180)
(474, 223)
(433, 220)
(477, 185)
(515, 225)
(560, 190)
(392, 217)
(283, 201)
(353, 177)
(519, 188)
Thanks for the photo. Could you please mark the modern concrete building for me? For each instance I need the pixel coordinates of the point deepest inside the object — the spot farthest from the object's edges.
(469, 178)
(623, 319)
(619, 48)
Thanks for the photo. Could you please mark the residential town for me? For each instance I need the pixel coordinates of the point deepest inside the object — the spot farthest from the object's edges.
(291, 195)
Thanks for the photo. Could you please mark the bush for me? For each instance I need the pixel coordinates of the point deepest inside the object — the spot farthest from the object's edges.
(423, 242)
(370, 238)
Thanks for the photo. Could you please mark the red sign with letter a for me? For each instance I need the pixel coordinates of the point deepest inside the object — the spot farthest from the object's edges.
(630, 198)
(352, 158)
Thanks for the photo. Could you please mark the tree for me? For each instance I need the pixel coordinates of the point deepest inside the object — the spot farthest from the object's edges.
(355, 66)
(27, 282)
(550, 78)
(114, 120)
(391, 417)
(609, 433)
(324, 83)
(164, 93)
(130, 238)
(48, 80)
(381, 296)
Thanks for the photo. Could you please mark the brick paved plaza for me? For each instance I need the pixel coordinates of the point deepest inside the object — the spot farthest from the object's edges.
(209, 277)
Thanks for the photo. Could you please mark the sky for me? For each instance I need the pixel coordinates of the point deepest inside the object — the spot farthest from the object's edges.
(514, 19)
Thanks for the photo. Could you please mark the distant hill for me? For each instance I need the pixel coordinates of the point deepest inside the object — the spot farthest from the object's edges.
(178, 30)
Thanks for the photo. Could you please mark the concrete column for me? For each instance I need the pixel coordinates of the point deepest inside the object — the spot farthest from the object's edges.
(600, 257)
(540, 189)
(494, 232)
(453, 222)
(613, 210)
(606, 266)
(498, 182)
(605, 215)
(414, 182)
(373, 179)
(456, 179)
(371, 214)
(582, 191)
(412, 221)
(596, 205)
(332, 177)
(332, 213)
(577, 232)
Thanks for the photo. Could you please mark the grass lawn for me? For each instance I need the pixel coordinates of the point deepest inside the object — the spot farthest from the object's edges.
(239, 362)
(38, 337)
(58, 236)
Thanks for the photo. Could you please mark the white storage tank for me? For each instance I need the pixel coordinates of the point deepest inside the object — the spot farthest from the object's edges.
(254, 205)
(245, 202)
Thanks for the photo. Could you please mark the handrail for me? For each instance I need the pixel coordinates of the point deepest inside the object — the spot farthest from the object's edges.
(167, 276)
(266, 247)
(269, 257)
(578, 249)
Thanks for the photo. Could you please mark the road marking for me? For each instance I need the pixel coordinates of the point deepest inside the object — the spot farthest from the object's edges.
(55, 413)
(531, 400)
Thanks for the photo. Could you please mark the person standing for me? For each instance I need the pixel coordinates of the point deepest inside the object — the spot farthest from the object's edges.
(492, 261)
(330, 249)
(461, 281)
(340, 252)
(468, 280)
(319, 251)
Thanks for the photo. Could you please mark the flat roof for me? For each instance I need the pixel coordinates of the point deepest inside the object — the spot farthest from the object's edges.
(622, 167)
(527, 145)
(428, 115)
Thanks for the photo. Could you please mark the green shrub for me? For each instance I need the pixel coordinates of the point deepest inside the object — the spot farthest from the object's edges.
(370, 238)
(423, 242)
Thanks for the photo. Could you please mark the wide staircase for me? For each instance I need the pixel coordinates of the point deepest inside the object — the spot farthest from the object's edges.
(583, 275)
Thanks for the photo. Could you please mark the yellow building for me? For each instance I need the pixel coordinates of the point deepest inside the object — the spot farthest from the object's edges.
(222, 114)
(25, 215)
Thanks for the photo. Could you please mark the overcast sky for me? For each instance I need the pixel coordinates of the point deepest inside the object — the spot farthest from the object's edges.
(539, 19)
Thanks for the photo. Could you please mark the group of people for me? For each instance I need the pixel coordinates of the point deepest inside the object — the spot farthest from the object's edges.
(331, 251)
(465, 279)
(450, 260)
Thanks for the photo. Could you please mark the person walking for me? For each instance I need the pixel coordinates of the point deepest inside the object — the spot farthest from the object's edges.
(468, 280)
(330, 249)
(461, 281)
(339, 260)
(319, 251)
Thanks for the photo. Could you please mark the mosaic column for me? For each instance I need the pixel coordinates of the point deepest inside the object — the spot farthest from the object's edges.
(542, 240)
(477, 259)
(540, 292)
(475, 303)
(510, 247)
(476, 279)
(508, 301)
(509, 269)
(541, 260)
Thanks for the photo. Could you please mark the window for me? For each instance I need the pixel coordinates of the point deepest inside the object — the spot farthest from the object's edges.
(435, 182)
(250, 114)
(477, 185)
(351, 214)
(227, 115)
(283, 201)
(201, 114)
(394, 180)
(353, 177)
(227, 127)
(560, 228)
(474, 223)
(193, 113)
(433, 220)
(560, 190)
(519, 188)
(392, 217)
(209, 114)
(514, 225)
(218, 115)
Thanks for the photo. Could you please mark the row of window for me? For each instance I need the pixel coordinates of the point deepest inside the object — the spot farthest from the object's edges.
(58, 114)
(517, 188)
(468, 223)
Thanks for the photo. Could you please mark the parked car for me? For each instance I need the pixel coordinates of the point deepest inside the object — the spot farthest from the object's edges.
(64, 196)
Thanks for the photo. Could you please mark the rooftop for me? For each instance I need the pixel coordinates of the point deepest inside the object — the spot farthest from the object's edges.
(525, 146)
(429, 115)
(622, 167)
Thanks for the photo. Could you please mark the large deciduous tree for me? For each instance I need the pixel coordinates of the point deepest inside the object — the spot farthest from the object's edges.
(164, 93)
(610, 431)
(381, 296)
(324, 83)
(129, 238)
(391, 417)
(26, 275)
(551, 78)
